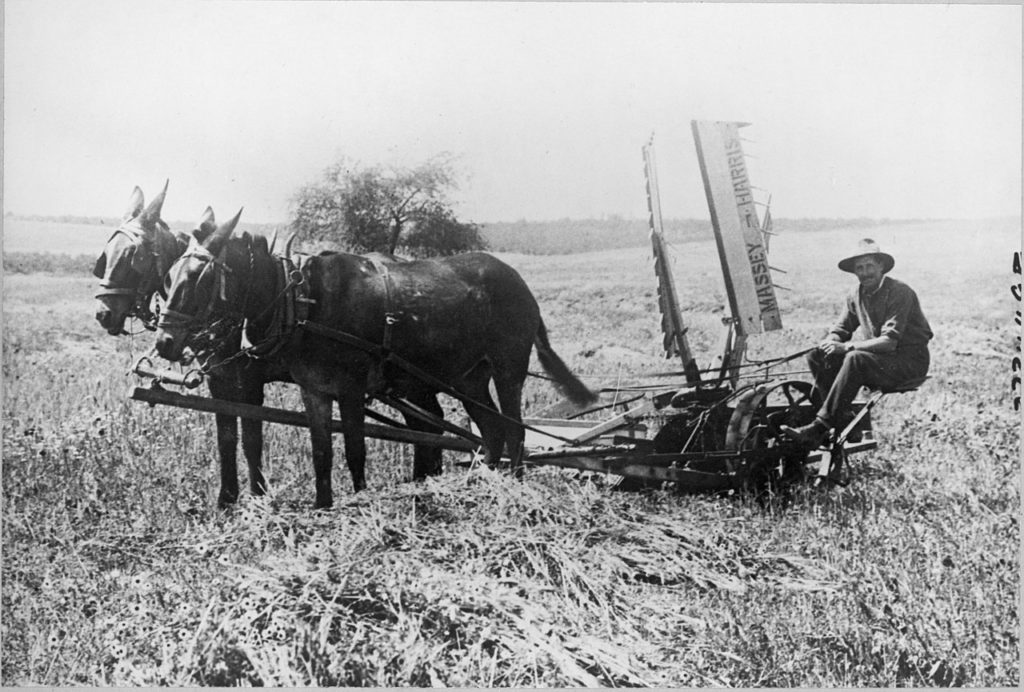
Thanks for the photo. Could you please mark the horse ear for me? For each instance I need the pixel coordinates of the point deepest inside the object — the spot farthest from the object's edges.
(228, 228)
(207, 225)
(135, 204)
(152, 213)
(221, 235)
(100, 268)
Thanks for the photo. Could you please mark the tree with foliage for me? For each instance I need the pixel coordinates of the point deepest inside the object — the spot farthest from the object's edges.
(385, 209)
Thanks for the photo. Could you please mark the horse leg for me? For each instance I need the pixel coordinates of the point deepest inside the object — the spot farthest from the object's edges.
(483, 410)
(510, 398)
(227, 445)
(319, 408)
(252, 436)
(426, 460)
(351, 406)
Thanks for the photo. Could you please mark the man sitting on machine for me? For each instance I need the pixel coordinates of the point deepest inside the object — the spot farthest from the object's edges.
(892, 348)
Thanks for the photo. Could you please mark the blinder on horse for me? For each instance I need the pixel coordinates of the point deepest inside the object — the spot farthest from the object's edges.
(133, 262)
(172, 319)
(289, 308)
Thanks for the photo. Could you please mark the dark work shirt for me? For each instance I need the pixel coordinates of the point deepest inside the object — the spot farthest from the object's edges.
(892, 310)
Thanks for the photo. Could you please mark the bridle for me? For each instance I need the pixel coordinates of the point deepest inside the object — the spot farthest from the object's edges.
(144, 290)
(176, 320)
(287, 309)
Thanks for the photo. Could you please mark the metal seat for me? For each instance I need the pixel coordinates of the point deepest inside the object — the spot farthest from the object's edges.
(908, 386)
(831, 464)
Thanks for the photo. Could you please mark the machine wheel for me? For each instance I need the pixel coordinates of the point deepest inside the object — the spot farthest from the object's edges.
(755, 425)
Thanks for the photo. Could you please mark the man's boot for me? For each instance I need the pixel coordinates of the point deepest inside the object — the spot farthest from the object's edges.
(810, 435)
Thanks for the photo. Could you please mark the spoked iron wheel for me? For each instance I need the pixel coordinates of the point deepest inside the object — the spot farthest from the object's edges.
(755, 426)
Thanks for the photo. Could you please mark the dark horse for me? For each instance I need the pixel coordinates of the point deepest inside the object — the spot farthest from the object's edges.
(131, 270)
(465, 320)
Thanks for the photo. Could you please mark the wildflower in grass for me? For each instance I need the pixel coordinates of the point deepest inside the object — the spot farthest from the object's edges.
(138, 609)
(182, 634)
(250, 637)
(276, 632)
(117, 650)
(139, 582)
(248, 605)
(55, 638)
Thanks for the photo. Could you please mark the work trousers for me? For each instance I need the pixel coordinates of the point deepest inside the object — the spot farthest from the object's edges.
(837, 379)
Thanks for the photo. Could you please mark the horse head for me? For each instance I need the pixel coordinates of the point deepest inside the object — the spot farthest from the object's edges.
(197, 286)
(132, 264)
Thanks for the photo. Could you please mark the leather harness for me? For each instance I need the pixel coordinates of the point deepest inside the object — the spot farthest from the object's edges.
(290, 309)
(390, 316)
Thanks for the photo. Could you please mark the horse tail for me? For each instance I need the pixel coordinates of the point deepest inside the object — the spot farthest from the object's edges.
(566, 382)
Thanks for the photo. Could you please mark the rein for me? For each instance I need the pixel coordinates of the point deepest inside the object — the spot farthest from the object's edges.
(289, 306)
(386, 355)
(291, 319)
(171, 319)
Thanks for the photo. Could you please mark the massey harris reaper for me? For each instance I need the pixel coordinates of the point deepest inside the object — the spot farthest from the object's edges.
(360, 329)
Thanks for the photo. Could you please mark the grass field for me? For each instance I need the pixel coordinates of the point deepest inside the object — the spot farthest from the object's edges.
(118, 569)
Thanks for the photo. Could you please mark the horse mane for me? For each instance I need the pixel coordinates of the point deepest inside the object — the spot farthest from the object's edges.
(258, 241)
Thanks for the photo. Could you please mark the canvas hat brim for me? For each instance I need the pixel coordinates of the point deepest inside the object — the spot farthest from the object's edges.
(885, 258)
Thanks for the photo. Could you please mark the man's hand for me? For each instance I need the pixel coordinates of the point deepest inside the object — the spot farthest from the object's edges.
(880, 344)
(832, 347)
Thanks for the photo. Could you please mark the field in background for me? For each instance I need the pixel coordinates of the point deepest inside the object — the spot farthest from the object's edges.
(29, 243)
(118, 569)
(30, 235)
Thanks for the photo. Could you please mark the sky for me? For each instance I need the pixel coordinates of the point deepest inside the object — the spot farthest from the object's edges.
(867, 110)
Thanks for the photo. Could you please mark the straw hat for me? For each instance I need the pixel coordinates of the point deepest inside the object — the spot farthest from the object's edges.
(864, 248)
